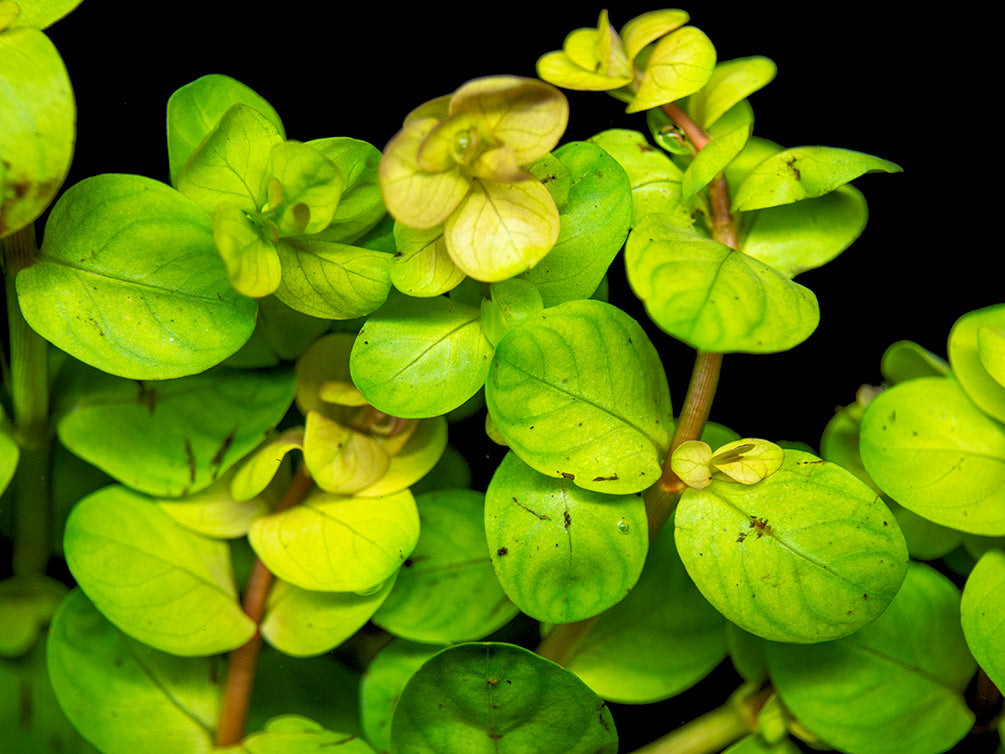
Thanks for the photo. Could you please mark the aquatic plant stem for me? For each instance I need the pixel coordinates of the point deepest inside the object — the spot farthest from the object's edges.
(243, 661)
(28, 381)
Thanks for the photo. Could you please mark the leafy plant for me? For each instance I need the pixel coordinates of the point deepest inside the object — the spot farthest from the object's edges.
(246, 406)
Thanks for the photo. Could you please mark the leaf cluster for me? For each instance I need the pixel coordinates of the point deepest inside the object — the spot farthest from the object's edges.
(253, 378)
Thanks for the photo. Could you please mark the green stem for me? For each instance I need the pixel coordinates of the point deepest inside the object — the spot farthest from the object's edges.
(243, 662)
(714, 730)
(29, 390)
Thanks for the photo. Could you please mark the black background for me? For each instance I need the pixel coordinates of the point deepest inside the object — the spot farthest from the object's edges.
(877, 78)
(908, 88)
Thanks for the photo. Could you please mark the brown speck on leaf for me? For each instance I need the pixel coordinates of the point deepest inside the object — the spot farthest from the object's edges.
(568, 520)
(502, 551)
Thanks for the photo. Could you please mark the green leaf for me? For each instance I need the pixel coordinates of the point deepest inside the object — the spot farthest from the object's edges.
(26, 604)
(37, 126)
(447, 591)
(895, 685)
(251, 258)
(157, 581)
(294, 734)
(30, 717)
(361, 206)
(805, 235)
(658, 641)
(562, 553)
(281, 334)
(594, 224)
(129, 281)
(731, 82)
(730, 137)
(806, 555)
(968, 358)
(414, 460)
(196, 109)
(803, 173)
(578, 392)
(341, 459)
(331, 543)
(124, 696)
(981, 616)
(711, 297)
(332, 280)
(385, 677)
(681, 64)
(499, 699)
(905, 360)
(229, 166)
(304, 623)
(654, 178)
(174, 437)
(509, 302)
(258, 470)
(929, 448)
(420, 357)
(309, 188)
(40, 14)
(422, 266)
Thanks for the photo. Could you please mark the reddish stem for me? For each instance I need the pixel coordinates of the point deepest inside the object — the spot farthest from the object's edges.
(244, 660)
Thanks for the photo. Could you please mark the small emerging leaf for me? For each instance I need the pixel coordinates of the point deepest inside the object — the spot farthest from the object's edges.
(748, 461)
(680, 65)
(691, 462)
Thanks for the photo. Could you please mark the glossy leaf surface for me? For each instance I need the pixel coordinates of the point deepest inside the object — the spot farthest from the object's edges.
(934, 452)
(305, 623)
(124, 696)
(806, 555)
(154, 579)
(499, 698)
(195, 110)
(972, 348)
(981, 616)
(595, 217)
(711, 297)
(562, 553)
(447, 591)
(659, 640)
(420, 357)
(130, 282)
(803, 173)
(331, 543)
(895, 685)
(37, 126)
(579, 393)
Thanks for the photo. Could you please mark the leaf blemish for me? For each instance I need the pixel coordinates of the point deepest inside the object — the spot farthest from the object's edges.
(502, 551)
(568, 520)
(539, 516)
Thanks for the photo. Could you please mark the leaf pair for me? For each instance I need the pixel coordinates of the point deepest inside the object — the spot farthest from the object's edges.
(459, 162)
(676, 60)
(744, 461)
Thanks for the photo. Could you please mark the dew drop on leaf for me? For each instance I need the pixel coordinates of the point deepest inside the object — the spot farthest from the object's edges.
(623, 526)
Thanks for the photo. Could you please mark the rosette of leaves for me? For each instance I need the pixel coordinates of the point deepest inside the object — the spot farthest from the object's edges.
(150, 281)
(460, 162)
(674, 59)
(286, 214)
(348, 446)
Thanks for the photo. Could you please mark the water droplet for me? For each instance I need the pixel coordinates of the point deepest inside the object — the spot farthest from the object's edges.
(623, 526)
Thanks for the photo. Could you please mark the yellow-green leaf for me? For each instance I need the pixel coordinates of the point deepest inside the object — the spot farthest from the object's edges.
(748, 461)
(691, 462)
(647, 28)
(524, 114)
(413, 196)
(502, 229)
(340, 459)
(680, 65)
(251, 259)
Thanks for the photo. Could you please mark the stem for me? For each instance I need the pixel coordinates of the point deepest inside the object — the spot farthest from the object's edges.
(29, 390)
(244, 660)
(662, 497)
(714, 730)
